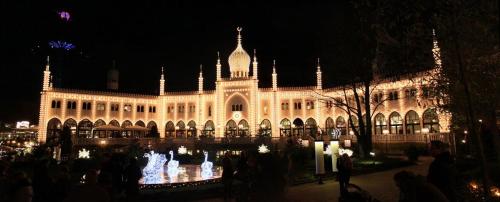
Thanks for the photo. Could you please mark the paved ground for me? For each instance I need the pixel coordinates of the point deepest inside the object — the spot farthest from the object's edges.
(380, 185)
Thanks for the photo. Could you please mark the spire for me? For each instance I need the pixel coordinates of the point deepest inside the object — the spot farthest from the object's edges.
(218, 71)
(239, 35)
(200, 81)
(275, 77)
(47, 66)
(436, 51)
(319, 82)
(255, 64)
(46, 84)
(162, 82)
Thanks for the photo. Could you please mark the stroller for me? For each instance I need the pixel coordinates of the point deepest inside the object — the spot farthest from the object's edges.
(357, 194)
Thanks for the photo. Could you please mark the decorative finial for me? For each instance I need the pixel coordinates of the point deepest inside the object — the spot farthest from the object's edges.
(48, 60)
(218, 55)
(201, 68)
(239, 35)
(47, 66)
(274, 63)
(318, 65)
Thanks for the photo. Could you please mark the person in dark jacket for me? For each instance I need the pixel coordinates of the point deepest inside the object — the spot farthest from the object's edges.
(132, 176)
(414, 188)
(344, 165)
(227, 176)
(442, 172)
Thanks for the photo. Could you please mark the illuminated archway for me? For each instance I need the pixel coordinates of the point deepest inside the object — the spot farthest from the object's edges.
(84, 129)
(265, 128)
(140, 123)
(209, 129)
(380, 123)
(71, 123)
(54, 128)
(285, 128)
(329, 126)
(243, 128)
(99, 122)
(169, 129)
(311, 128)
(150, 127)
(231, 129)
(180, 129)
(395, 123)
(298, 127)
(114, 123)
(191, 129)
(431, 120)
(341, 125)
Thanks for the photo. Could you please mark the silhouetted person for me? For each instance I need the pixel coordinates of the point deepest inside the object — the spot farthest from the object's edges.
(415, 189)
(344, 165)
(90, 191)
(20, 188)
(132, 176)
(227, 176)
(42, 183)
(243, 176)
(442, 172)
(62, 183)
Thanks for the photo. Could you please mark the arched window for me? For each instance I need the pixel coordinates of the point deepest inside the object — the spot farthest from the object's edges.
(340, 124)
(298, 127)
(191, 129)
(412, 122)
(71, 123)
(265, 128)
(169, 129)
(231, 129)
(311, 128)
(53, 128)
(380, 123)
(355, 123)
(431, 120)
(152, 129)
(285, 128)
(84, 129)
(114, 123)
(180, 129)
(329, 126)
(126, 124)
(98, 123)
(396, 123)
(209, 129)
(140, 123)
(243, 128)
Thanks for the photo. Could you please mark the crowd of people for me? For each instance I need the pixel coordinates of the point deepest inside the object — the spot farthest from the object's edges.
(115, 178)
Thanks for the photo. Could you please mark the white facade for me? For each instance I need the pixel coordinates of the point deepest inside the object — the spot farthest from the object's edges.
(237, 106)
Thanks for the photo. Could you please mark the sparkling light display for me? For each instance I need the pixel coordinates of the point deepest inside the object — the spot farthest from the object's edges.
(206, 167)
(153, 172)
(263, 149)
(172, 166)
(83, 154)
(182, 150)
(345, 151)
(61, 45)
(64, 15)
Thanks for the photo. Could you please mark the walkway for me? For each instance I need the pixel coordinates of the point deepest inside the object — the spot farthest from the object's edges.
(380, 185)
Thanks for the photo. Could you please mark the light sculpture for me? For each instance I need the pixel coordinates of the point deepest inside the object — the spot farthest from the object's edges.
(172, 166)
(83, 154)
(334, 149)
(182, 150)
(263, 149)
(320, 159)
(153, 171)
(206, 167)
(345, 151)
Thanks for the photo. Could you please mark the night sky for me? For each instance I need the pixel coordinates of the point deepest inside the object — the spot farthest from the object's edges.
(180, 35)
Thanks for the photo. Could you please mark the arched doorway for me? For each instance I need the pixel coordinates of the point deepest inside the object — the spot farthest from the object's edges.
(311, 128)
(396, 123)
(285, 128)
(298, 127)
(71, 123)
(152, 129)
(169, 129)
(412, 122)
(243, 128)
(265, 128)
(84, 129)
(341, 125)
(231, 129)
(191, 129)
(180, 130)
(431, 120)
(329, 126)
(380, 124)
(54, 129)
(209, 129)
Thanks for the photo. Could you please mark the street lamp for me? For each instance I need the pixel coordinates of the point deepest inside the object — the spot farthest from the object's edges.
(425, 131)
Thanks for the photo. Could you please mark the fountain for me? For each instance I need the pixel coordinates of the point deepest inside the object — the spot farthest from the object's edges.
(176, 175)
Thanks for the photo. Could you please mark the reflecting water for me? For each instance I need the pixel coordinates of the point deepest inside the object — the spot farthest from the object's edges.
(188, 173)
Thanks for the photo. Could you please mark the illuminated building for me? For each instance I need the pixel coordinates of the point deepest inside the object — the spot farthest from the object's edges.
(237, 106)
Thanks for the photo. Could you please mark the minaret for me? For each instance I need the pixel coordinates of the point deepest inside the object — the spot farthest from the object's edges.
(200, 81)
(218, 67)
(275, 77)
(162, 83)
(436, 51)
(113, 77)
(46, 76)
(255, 65)
(319, 83)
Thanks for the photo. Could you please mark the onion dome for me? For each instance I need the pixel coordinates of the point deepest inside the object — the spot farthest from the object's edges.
(239, 60)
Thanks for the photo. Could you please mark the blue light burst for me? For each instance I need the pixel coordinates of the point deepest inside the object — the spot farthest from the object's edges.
(61, 45)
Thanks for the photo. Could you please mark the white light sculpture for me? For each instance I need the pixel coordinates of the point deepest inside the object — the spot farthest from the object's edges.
(263, 149)
(182, 150)
(320, 159)
(153, 171)
(206, 167)
(334, 150)
(83, 154)
(345, 151)
(172, 166)
(328, 150)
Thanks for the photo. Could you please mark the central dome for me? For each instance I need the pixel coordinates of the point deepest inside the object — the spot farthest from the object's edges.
(239, 60)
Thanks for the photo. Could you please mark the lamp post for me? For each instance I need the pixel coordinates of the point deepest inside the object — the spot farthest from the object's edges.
(425, 131)
(386, 134)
